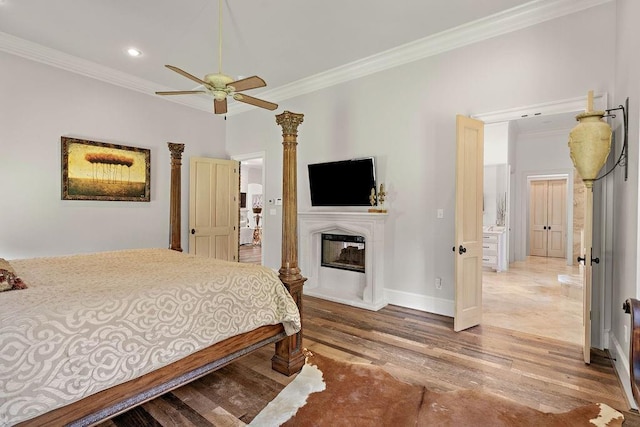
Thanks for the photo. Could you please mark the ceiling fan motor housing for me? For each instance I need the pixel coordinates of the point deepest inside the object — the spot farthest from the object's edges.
(218, 82)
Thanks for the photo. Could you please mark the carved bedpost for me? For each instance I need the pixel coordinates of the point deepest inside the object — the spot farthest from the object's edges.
(289, 357)
(174, 203)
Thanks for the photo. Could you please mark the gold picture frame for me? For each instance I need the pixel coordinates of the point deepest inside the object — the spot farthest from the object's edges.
(101, 171)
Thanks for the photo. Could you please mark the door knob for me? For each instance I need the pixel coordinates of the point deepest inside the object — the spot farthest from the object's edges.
(544, 228)
(580, 259)
(193, 231)
(596, 260)
(462, 250)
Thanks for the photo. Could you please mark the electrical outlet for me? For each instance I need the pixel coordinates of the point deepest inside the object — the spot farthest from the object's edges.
(440, 213)
(438, 283)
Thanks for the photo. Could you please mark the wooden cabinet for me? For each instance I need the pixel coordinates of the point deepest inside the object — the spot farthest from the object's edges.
(494, 248)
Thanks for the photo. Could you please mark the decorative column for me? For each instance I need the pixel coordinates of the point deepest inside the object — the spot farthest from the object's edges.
(289, 358)
(174, 202)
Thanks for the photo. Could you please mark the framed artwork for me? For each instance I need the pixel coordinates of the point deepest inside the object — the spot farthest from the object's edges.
(101, 171)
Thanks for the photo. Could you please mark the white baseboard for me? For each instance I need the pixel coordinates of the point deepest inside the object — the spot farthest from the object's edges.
(440, 306)
(621, 363)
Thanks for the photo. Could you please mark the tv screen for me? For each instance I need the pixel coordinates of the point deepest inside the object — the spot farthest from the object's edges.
(342, 183)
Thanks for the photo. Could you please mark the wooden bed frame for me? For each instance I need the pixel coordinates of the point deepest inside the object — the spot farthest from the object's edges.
(288, 358)
(632, 307)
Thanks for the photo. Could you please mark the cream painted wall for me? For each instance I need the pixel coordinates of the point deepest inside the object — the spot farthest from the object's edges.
(496, 143)
(496, 152)
(405, 117)
(38, 105)
(626, 218)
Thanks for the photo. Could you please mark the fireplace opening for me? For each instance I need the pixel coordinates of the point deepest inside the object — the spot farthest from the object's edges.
(344, 252)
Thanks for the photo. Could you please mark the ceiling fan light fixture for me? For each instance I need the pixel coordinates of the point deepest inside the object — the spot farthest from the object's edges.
(219, 95)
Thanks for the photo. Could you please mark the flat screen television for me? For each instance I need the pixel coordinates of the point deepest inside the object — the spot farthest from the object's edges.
(342, 183)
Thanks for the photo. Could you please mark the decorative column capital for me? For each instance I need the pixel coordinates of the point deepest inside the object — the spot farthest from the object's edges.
(289, 122)
(176, 150)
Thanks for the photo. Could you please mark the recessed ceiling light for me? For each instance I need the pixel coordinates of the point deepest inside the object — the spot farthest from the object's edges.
(132, 51)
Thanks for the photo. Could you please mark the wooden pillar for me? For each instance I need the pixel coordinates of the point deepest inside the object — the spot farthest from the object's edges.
(289, 357)
(174, 202)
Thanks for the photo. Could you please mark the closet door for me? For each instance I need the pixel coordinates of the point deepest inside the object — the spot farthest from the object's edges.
(556, 218)
(547, 218)
(538, 219)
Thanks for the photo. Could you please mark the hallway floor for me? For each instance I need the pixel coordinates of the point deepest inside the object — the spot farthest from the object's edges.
(529, 298)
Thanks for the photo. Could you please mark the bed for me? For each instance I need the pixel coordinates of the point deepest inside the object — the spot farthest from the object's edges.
(96, 334)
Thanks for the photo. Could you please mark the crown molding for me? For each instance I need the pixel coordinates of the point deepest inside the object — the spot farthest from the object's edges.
(520, 17)
(55, 58)
(547, 108)
(513, 19)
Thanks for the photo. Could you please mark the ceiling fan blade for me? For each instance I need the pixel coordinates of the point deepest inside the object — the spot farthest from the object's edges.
(187, 75)
(248, 83)
(255, 101)
(181, 92)
(220, 107)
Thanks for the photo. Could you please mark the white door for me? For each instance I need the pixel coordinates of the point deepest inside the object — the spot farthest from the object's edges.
(468, 222)
(214, 193)
(586, 279)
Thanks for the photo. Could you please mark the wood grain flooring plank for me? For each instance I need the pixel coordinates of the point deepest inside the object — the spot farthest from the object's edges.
(421, 348)
(136, 417)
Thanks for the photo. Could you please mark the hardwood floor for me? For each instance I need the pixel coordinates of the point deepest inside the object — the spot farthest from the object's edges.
(250, 254)
(530, 298)
(543, 373)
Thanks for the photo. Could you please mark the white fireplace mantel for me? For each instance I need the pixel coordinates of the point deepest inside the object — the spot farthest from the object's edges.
(364, 290)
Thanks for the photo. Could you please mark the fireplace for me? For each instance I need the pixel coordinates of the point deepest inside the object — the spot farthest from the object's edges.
(361, 286)
(343, 251)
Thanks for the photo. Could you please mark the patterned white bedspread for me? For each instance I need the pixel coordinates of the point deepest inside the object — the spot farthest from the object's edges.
(88, 322)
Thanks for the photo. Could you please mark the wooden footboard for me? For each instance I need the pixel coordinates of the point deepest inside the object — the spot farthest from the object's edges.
(118, 399)
(632, 306)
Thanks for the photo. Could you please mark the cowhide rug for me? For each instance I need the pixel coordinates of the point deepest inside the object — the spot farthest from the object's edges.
(332, 393)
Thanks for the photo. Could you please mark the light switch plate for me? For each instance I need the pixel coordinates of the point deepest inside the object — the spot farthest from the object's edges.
(440, 213)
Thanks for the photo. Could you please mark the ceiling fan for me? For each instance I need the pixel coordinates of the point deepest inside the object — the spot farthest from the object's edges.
(220, 86)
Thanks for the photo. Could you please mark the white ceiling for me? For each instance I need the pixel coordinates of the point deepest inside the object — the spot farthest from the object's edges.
(283, 41)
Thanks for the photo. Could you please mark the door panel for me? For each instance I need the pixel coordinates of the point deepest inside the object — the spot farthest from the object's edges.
(586, 278)
(548, 218)
(538, 219)
(468, 222)
(213, 208)
(557, 218)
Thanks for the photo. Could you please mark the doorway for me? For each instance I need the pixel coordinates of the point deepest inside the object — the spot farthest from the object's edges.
(540, 293)
(252, 220)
